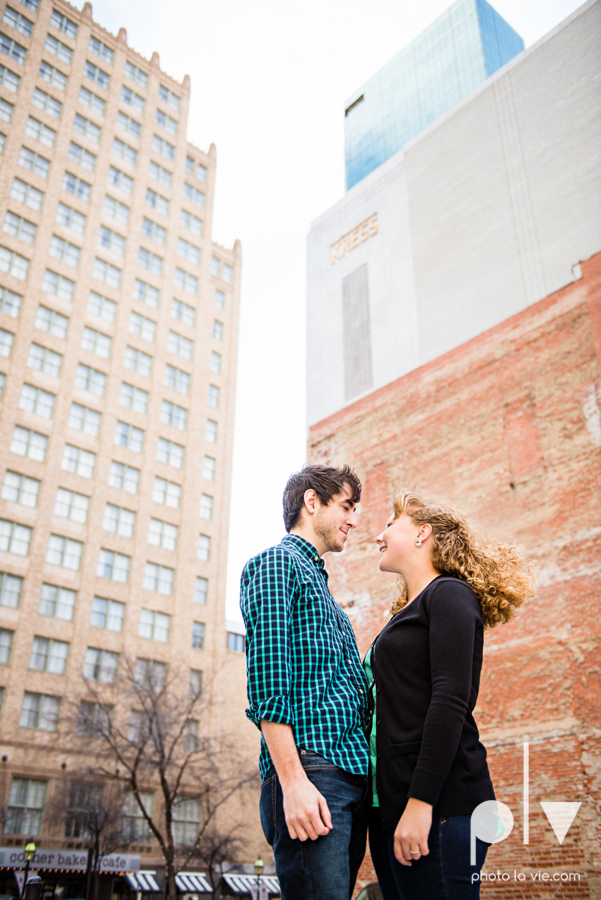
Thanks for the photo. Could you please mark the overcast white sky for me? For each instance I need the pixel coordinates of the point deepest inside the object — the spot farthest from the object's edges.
(269, 81)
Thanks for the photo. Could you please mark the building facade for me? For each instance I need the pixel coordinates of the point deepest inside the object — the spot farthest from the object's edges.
(485, 212)
(118, 344)
(447, 61)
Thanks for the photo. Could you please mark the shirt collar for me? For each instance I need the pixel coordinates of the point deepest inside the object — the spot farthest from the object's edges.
(306, 549)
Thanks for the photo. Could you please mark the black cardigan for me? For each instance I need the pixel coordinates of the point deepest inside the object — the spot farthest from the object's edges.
(426, 666)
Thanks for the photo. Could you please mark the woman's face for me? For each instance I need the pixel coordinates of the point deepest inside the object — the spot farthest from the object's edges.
(397, 544)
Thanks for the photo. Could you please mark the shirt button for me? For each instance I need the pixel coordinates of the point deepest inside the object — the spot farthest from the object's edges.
(316, 558)
(360, 691)
(379, 722)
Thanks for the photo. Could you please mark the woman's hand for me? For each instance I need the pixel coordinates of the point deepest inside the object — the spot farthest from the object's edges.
(412, 832)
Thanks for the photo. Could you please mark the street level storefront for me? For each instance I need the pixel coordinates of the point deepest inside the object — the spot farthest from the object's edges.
(64, 873)
(258, 887)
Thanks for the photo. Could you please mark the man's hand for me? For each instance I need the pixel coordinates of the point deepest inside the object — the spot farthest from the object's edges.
(306, 810)
(412, 832)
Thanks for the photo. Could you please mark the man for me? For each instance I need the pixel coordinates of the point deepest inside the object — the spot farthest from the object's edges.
(308, 693)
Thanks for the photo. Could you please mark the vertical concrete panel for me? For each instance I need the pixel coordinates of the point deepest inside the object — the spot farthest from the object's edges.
(356, 333)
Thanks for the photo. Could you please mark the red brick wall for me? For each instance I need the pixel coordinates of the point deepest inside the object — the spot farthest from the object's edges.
(507, 427)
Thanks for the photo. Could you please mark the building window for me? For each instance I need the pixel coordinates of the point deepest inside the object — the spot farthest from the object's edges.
(10, 303)
(37, 164)
(100, 49)
(235, 642)
(162, 534)
(120, 180)
(111, 240)
(194, 196)
(40, 711)
(177, 343)
(170, 453)
(186, 813)
(71, 505)
(58, 285)
(158, 173)
(80, 462)
(101, 306)
(93, 718)
(57, 602)
(133, 824)
(189, 166)
(158, 579)
(63, 24)
(201, 172)
(82, 157)
(61, 249)
(154, 626)
(116, 210)
(211, 431)
(188, 251)
(11, 588)
(217, 330)
(228, 273)
(114, 566)
(6, 113)
(6, 342)
(195, 684)
(44, 360)
(128, 436)
(20, 489)
(136, 74)
(48, 655)
(92, 101)
(97, 75)
(70, 218)
(206, 506)
(198, 635)
(150, 674)
(177, 379)
(74, 185)
(138, 361)
(101, 665)
(86, 128)
(167, 492)
(208, 468)
(125, 152)
(191, 222)
(26, 803)
(2, 384)
(213, 395)
(109, 614)
(153, 231)
(150, 261)
(104, 271)
(215, 363)
(133, 398)
(37, 401)
(203, 547)
(58, 49)
(125, 478)
(118, 520)
(63, 551)
(81, 418)
(165, 122)
(169, 97)
(52, 322)
(6, 646)
(84, 799)
(146, 293)
(132, 99)
(201, 590)
(29, 443)
(129, 125)
(46, 103)
(25, 193)
(89, 379)
(96, 342)
(159, 145)
(183, 312)
(17, 21)
(171, 414)
(219, 300)
(156, 201)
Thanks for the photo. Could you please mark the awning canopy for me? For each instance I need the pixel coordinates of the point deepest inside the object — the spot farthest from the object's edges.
(193, 882)
(241, 884)
(143, 881)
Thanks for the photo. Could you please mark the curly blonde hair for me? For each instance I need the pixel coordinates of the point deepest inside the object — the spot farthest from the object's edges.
(497, 573)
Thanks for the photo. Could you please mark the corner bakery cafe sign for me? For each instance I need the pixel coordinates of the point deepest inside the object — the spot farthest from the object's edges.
(66, 860)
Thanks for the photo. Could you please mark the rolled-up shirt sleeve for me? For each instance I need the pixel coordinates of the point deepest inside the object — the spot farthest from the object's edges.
(266, 597)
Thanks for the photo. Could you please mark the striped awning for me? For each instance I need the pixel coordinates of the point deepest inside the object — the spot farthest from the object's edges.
(193, 883)
(241, 884)
(143, 881)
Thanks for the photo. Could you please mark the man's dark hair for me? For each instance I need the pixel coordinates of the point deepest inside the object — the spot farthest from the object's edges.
(326, 481)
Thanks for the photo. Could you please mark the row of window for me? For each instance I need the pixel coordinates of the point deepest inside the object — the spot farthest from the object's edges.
(27, 802)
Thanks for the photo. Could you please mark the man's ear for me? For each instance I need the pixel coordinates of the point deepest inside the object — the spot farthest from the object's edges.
(311, 501)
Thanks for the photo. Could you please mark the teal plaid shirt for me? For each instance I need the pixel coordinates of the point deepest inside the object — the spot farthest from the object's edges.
(303, 664)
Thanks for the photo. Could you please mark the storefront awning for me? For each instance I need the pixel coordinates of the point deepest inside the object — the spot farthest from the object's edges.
(143, 881)
(241, 884)
(193, 882)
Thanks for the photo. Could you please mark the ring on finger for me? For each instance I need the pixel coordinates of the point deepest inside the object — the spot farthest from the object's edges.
(415, 852)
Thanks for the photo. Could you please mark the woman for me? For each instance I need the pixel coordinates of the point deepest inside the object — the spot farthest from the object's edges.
(428, 765)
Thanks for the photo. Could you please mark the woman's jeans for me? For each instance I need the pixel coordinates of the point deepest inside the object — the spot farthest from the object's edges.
(445, 874)
(324, 869)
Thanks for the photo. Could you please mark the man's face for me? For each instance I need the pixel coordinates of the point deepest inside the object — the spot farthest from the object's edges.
(332, 522)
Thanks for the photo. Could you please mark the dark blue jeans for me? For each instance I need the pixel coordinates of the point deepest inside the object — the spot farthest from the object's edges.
(445, 874)
(324, 869)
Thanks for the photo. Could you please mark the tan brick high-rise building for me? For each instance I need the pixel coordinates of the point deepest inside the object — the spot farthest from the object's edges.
(118, 339)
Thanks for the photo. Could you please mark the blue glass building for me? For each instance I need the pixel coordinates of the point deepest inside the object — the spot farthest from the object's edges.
(447, 61)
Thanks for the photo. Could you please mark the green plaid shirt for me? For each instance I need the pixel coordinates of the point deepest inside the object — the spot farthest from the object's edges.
(303, 664)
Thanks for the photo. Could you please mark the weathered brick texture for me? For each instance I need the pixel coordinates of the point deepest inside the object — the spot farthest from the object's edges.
(507, 427)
